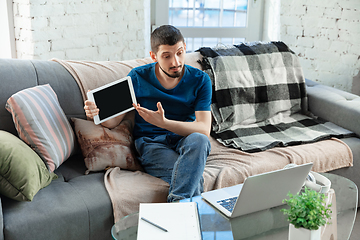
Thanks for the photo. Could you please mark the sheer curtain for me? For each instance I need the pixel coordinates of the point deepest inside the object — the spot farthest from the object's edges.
(272, 24)
(7, 38)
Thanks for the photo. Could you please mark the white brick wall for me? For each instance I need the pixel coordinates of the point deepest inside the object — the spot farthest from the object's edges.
(98, 30)
(325, 34)
(326, 37)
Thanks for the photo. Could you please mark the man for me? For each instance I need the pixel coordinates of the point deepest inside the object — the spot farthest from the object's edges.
(172, 118)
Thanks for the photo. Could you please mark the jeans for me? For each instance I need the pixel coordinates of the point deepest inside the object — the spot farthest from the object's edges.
(178, 160)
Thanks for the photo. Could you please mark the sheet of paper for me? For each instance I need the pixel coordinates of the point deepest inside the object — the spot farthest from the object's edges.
(181, 220)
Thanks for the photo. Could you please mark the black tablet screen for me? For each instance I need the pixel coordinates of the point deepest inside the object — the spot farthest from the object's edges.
(113, 100)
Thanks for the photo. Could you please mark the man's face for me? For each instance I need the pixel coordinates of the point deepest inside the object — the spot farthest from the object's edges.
(171, 59)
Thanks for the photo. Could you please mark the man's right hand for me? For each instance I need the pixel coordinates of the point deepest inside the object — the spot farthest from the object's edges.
(91, 109)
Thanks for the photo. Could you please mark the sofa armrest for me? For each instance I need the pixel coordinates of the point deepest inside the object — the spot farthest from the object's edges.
(334, 105)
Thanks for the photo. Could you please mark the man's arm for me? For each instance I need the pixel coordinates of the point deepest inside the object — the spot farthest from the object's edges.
(202, 124)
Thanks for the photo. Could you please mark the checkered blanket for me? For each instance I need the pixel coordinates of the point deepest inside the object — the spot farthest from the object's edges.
(259, 98)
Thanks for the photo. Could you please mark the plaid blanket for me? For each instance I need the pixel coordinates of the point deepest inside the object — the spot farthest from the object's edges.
(259, 98)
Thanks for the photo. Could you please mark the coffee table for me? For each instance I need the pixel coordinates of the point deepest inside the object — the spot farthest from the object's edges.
(266, 224)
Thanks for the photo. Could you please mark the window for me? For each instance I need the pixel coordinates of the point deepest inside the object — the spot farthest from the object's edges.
(212, 22)
(7, 38)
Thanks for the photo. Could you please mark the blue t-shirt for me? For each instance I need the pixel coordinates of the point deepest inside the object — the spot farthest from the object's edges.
(192, 93)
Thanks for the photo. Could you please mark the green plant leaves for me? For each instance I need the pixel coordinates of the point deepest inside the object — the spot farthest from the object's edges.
(307, 209)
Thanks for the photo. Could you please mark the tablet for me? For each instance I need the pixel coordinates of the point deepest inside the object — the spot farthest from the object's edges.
(113, 99)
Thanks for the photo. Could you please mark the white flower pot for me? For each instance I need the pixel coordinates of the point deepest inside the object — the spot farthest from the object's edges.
(303, 233)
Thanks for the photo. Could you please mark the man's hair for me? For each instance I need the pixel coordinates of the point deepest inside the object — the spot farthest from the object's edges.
(165, 35)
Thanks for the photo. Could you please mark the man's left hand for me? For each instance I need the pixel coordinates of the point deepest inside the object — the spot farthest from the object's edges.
(156, 118)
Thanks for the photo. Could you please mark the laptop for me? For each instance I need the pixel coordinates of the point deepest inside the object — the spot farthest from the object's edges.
(258, 192)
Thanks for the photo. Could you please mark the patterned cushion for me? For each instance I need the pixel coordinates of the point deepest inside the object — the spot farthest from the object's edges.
(103, 147)
(42, 124)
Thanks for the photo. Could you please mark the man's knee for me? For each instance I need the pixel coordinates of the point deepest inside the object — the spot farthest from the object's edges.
(199, 140)
(199, 137)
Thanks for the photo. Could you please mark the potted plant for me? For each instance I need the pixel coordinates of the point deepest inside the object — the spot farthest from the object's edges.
(307, 212)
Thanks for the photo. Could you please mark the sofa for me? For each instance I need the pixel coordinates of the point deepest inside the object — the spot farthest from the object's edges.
(76, 205)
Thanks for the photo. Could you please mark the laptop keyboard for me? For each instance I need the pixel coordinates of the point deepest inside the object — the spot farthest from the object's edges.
(228, 203)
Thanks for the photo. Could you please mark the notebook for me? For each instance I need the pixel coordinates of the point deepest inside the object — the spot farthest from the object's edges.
(258, 192)
(164, 221)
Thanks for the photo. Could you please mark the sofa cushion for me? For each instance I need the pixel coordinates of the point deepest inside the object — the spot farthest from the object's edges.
(77, 209)
(22, 172)
(103, 147)
(41, 123)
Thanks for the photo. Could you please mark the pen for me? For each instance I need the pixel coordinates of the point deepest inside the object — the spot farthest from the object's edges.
(154, 224)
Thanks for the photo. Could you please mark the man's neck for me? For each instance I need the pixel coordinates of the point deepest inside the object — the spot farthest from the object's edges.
(166, 81)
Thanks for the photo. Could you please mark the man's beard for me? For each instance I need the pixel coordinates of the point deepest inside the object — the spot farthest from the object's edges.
(175, 74)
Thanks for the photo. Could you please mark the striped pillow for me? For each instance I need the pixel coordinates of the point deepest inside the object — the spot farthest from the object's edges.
(42, 124)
